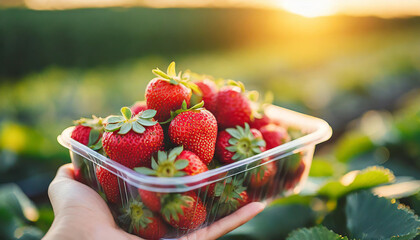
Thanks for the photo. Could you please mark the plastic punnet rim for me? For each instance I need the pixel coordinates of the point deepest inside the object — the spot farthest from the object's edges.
(322, 132)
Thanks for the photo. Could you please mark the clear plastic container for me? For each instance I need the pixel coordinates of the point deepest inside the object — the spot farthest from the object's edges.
(292, 162)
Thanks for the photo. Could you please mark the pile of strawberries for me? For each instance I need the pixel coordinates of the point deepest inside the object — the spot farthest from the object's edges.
(187, 125)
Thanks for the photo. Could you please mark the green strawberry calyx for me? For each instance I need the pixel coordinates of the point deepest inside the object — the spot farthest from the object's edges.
(243, 143)
(238, 84)
(173, 78)
(184, 108)
(166, 166)
(229, 194)
(127, 121)
(137, 215)
(97, 128)
(174, 204)
(258, 105)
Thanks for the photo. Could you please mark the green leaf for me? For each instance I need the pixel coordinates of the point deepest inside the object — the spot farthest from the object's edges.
(233, 141)
(146, 122)
(372, 217)
(149, 113)
(315, 233)
(112, 127)
(160, 73)
(145, 171)
(115, 119)
(184, 105)
(126, 112)
(138, 128)
(232, 148)
(352, 144)
(93, 136)
(171, 70)
(356, 180)
(162, 156)
(125, 128)
(321, 168)
(175, 152)
(181, 164)
(97, 146)
(172, 81)
(155, 166)
(180, 174)
(275, 222)
(234, 133)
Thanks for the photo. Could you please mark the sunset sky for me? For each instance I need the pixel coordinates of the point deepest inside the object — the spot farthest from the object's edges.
(306, 8)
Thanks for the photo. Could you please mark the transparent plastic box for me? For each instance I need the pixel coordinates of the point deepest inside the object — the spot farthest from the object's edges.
(292, 161)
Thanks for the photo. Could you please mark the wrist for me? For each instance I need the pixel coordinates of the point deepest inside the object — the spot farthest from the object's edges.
(65, 228)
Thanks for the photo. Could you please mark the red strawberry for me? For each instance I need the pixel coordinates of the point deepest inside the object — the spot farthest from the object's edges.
(244, 199)
(208, 94)
(295, 171)
(274, 135)
(260, 119)
(131, 140)
(143, 222)
(258, 123)
(237, 144)
(138, 107)
(167, 92)
(109, 183)
(184, 211)
(262, 174)
(176, 163)
(196, 130)
(88, 131)
(233, 107)
(232, 196)
(152, 200)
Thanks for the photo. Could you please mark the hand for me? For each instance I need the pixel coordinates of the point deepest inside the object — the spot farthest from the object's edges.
(80, 213)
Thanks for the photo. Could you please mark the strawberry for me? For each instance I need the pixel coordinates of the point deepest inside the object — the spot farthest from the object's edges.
(260, 119)
(88, 132)
(131, 140)
(109, 183)
(295, 169)
(196, 130)
(233, 107)
(184, 211)
(142, 221)
(274, 135)
(167, 92)
(262, 174)
(260, 122)
(138, 107)
(237, 144)
(208, 94)
(232, 196)
(152, 200)
(178, 162)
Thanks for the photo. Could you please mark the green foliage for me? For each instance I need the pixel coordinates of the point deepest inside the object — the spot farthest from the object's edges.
(371, 217)
(315, 233)
(275, 222)
(321, 168)
(356, 180)
(352, 144)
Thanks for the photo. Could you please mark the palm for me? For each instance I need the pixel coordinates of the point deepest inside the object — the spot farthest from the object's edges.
(84, 211)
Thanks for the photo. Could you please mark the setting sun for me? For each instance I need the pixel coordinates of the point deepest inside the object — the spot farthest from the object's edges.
(308, 8)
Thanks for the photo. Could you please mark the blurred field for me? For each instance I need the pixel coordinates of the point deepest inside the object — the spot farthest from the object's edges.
(360, 74)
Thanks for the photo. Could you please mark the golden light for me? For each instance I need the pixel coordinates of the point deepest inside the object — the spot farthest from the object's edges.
(309, 8)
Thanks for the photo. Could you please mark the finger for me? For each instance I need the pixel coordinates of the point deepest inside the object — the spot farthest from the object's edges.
(232, 221)
(65, 171)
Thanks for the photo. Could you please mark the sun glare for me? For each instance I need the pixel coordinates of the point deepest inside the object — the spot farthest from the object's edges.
(308, 8)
